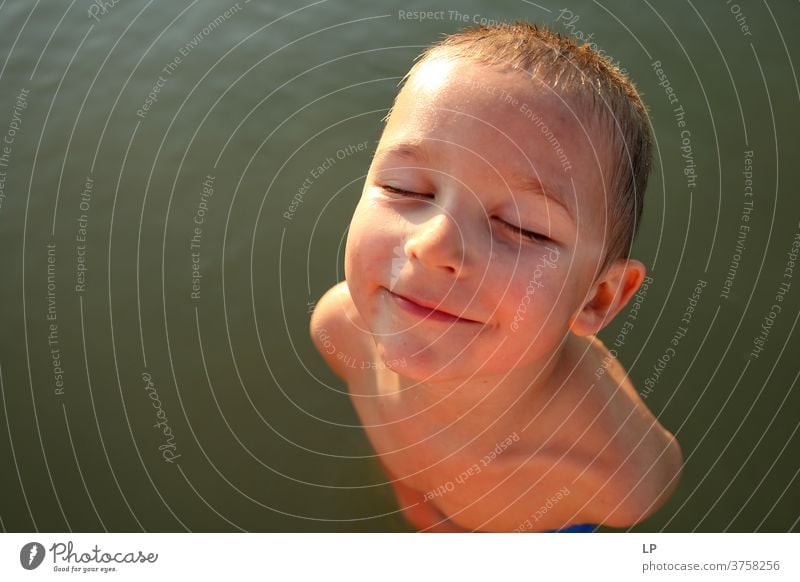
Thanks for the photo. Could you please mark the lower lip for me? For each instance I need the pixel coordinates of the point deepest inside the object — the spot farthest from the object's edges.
(425, 312)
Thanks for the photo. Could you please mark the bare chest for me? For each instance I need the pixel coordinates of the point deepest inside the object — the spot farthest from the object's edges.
(428, 451)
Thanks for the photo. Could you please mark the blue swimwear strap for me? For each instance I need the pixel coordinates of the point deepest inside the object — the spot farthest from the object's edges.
(576, 528)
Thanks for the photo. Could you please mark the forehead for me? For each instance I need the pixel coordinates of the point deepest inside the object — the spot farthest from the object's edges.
(485, 121)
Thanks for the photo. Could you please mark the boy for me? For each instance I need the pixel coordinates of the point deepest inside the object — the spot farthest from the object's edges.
(489, 247)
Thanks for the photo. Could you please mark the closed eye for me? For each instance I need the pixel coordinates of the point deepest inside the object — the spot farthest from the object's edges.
(534, 236)
(407, 193)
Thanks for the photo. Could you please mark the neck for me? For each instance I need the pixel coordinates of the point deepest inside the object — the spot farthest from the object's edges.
(484, 396)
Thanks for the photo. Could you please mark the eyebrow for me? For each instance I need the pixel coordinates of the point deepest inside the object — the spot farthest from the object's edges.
(414, 151)
(533, 185)
(418, 152)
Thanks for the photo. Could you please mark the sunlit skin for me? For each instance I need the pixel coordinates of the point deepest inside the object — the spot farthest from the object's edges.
(474, 258)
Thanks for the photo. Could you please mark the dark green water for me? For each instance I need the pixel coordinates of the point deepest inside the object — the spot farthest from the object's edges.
(151, 142)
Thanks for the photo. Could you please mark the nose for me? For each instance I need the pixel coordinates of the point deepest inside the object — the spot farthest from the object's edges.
(439, 244)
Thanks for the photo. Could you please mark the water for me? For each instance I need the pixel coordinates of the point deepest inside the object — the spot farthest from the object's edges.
(155, 142)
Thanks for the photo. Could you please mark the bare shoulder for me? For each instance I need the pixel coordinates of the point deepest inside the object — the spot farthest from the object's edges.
(336, 329)
(641, 466)
(600, 456)
(550, 489)
(563, 485)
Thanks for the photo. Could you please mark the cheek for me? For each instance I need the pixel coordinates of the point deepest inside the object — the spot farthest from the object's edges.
(535, 283)
(536, 315)
(368, 253)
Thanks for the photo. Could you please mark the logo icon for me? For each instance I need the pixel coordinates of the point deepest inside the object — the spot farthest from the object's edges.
(31, 555)
(399, 261)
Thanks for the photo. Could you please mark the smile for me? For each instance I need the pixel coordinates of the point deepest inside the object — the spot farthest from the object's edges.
(414, 308)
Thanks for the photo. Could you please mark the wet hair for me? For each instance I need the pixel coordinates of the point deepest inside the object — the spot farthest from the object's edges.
(591, 80)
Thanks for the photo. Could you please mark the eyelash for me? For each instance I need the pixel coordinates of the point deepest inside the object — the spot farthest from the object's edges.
(532, 236)
(408, 193)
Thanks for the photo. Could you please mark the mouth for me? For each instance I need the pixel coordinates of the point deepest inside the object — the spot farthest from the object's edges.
(422, 308)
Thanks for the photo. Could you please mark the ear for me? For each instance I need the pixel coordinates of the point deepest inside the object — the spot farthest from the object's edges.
(608, 296)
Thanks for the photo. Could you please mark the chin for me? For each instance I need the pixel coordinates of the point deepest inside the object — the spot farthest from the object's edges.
(423, 362)
(423, 375)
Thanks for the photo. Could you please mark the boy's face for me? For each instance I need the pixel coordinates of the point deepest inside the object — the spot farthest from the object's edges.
(469, 156)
